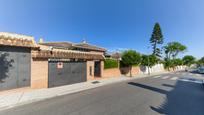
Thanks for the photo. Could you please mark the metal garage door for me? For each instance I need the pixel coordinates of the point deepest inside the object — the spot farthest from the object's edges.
(15, 64)
(64, 73)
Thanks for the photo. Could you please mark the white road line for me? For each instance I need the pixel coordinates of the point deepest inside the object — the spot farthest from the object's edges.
(198, 75)
(165, 77)
(198, 82)
(183, 80)
(174, 78)
(156, 76)
(186, 80)
(190, 74)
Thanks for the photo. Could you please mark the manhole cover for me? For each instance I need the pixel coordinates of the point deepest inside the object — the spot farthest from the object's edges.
(95, 82)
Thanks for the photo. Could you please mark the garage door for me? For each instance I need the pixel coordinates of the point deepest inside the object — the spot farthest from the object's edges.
(65, 72)
(15, 65)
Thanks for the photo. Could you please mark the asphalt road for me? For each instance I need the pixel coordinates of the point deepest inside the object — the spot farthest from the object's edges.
(169, 94)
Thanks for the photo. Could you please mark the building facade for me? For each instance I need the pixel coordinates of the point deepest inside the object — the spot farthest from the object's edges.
(25, 63)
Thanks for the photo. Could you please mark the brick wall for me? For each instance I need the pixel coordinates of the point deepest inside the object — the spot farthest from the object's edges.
(114, 72)
(39, 73)
(125, 71)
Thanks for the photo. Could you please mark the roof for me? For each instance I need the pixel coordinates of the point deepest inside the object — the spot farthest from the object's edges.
(11, 39)
(69, 45)
(116, 55)
(66, 45)
(89, 46)
(69, 54)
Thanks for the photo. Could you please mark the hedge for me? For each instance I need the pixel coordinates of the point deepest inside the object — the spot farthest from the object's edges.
(110, 63)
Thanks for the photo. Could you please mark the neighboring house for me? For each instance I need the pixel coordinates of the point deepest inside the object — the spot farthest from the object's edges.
(83, 47)
(24, 63)
(114, 55)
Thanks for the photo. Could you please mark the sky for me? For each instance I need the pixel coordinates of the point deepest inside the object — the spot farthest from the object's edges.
(112, 24)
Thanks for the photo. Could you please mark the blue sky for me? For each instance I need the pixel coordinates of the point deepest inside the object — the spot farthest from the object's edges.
(113, 24)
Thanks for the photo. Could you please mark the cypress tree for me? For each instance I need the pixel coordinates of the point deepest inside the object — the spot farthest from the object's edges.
(156, 38)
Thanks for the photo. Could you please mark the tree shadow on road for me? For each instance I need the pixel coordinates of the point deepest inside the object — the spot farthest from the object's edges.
(186, 98)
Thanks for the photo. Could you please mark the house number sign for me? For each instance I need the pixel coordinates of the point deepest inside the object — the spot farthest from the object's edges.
(59, 65)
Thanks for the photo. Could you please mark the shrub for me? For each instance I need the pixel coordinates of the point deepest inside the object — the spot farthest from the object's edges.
(130, 58)
(189, 60)
(149, 60)
(110, 63)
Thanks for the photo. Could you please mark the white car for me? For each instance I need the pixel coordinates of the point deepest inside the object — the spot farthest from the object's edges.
(201, 70)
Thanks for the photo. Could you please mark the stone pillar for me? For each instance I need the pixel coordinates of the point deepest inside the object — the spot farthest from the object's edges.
(102, 68)
(90, 70)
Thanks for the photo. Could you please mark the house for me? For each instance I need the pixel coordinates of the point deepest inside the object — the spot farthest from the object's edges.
(81, 62)
(24, 63)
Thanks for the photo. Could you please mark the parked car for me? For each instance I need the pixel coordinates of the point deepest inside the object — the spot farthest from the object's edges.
(193, 70)
(201, 70)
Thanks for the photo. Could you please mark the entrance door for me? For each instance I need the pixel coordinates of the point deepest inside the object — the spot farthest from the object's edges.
(66, 72)
(97, 69)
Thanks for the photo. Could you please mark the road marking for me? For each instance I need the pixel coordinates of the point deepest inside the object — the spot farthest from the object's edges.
(174, 78)
(193, 81)
(190, 74)
(156, 76)
(183, 80)
(197, 75)
(198, 82)
(165, 77)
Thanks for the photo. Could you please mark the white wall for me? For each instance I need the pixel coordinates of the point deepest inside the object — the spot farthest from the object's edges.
(159, 68)
(155, 69)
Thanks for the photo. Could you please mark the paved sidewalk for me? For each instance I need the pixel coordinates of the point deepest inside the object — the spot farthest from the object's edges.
(20, 98)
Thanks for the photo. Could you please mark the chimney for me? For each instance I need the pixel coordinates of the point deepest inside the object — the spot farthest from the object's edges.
(84, 41)
(41, 40)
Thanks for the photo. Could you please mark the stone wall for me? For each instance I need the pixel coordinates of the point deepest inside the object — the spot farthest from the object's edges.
(90, 70)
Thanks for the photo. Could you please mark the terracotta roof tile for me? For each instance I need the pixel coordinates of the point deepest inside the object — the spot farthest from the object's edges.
(11, 39)
(69, 45)
(89, 46)
(66, 45)
(66, 55)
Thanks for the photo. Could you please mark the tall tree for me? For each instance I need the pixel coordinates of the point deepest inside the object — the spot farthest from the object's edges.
(130, 58)
(156, 38)
(172, 49)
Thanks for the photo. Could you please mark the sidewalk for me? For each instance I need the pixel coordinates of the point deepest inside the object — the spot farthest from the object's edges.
(20, 98)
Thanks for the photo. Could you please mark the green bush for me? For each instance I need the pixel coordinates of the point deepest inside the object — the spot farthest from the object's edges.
(110, 63)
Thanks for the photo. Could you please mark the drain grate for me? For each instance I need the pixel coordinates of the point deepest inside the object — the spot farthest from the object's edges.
(95, 82)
